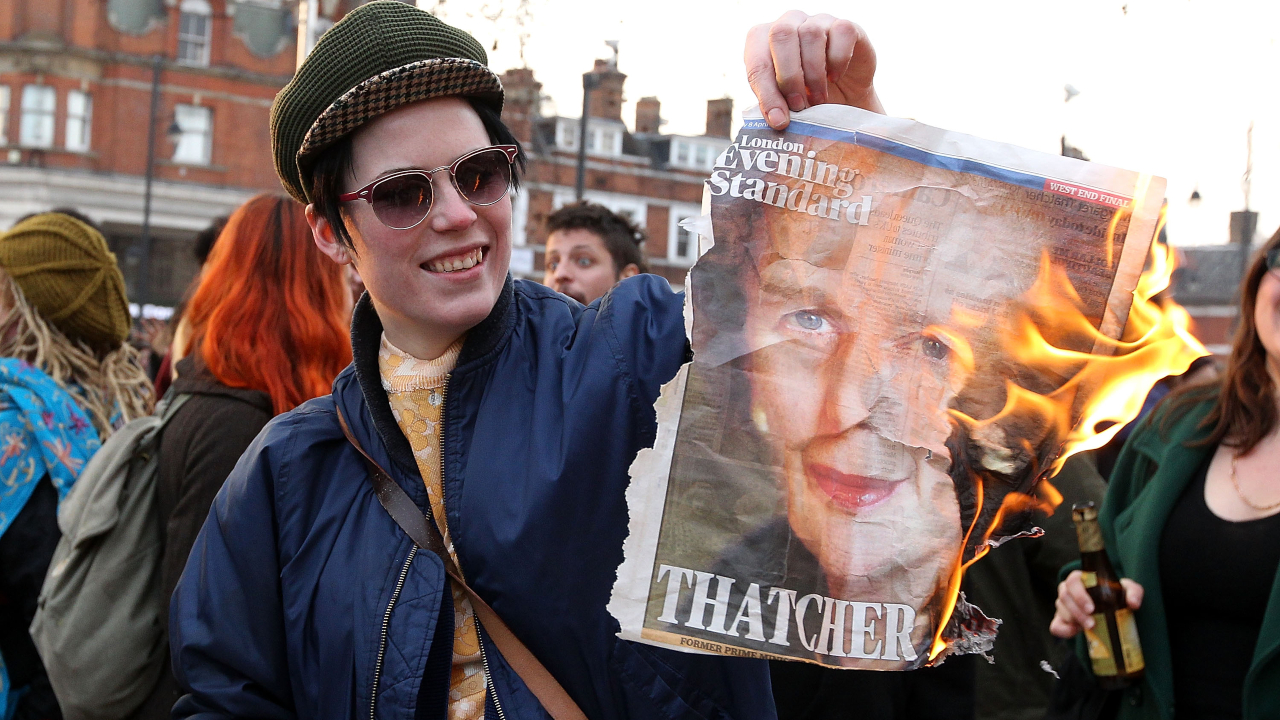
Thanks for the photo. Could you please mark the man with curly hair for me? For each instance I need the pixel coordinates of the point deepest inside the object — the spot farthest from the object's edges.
(590, 249)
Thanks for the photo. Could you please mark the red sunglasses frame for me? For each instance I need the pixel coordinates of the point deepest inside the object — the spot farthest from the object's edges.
(366, 193)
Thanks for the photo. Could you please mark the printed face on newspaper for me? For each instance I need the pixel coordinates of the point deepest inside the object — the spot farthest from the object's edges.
(810, 495)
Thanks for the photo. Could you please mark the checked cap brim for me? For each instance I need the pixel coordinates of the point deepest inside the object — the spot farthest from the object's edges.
(384, 92)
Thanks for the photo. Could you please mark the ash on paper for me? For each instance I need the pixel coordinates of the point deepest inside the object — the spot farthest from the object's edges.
(810, 495)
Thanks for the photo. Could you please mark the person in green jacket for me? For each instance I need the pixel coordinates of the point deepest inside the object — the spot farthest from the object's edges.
(1192, 520)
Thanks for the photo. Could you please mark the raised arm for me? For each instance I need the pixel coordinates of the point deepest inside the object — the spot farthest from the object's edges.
(801, 60)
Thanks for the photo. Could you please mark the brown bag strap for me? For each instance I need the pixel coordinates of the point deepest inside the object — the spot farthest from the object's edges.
(426, 535)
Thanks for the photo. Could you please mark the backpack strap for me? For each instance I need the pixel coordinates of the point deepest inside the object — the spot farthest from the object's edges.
(168, 407)
(424, 533)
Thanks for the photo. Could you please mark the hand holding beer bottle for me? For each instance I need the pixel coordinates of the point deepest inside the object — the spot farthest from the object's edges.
(1096, 601)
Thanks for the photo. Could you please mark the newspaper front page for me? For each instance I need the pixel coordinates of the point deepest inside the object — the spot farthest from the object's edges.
(810, 490)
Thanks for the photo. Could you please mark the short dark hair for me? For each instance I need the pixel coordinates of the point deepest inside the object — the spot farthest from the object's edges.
(207, 237)
(334, 165)
(621, 237)
(72, 212)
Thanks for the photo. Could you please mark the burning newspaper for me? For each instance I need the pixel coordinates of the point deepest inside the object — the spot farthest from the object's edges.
(859, 422)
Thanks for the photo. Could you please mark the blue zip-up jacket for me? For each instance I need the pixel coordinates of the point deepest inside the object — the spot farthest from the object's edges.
(303, 599)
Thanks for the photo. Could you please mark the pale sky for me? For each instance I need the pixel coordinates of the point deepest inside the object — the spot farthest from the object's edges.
(1166, 86)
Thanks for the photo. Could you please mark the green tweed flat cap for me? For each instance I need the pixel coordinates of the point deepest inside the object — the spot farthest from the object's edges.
(380, 56)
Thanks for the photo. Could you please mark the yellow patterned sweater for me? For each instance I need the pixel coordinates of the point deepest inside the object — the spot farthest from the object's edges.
(416, 390)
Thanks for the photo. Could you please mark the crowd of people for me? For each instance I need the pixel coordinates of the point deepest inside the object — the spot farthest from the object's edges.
(395, 482)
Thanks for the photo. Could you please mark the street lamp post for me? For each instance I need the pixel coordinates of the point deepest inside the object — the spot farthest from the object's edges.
(142, 286)
(590, 81)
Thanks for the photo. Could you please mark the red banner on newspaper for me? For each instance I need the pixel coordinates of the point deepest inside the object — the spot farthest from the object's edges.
(1087, 194)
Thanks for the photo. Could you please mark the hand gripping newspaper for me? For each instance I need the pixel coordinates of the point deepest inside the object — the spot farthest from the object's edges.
(811, 495)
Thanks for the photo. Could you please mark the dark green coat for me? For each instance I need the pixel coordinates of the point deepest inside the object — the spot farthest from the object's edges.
(1149, 478)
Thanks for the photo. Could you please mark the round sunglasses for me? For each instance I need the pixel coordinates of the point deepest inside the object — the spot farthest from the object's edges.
(404, 199)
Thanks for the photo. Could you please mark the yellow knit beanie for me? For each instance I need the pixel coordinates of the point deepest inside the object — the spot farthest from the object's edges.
(65, 270)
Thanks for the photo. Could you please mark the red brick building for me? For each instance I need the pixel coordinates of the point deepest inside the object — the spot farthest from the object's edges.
(76, 84)
(656, 179)
(77, 79)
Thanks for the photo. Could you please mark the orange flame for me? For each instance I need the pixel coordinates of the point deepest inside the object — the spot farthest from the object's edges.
(1102, 389)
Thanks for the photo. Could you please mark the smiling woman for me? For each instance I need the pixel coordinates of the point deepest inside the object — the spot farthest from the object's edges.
(488, 420)
(436, 255)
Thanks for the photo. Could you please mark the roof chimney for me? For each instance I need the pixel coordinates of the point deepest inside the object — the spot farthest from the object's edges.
(720, 117)
(648, 115)
(520, 104)
(606, 99)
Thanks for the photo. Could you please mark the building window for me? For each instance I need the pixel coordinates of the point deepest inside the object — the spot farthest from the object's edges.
(703, 158)
(195, 144)
(38, 105)
(569, 135)
(79, 120)
(4, 114)
(682, 153)
(195, 29)
(683, 248)
(609, 142)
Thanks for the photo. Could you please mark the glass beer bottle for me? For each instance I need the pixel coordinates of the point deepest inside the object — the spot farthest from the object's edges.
(1114, 649)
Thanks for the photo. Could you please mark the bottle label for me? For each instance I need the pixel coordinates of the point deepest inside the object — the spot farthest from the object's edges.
(1130, 648)
(1100, 653)
(1089, 534)
(1090, 579)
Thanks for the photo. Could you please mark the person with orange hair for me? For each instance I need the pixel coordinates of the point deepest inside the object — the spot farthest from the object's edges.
(268, 332)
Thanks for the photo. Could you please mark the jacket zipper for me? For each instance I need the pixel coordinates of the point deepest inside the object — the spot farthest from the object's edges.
(444, 409)
(484, 657)
(386, 622)
(488, 676)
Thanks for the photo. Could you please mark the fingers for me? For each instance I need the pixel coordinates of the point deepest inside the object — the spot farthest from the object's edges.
(763, 79)
(788, 64)
(813, 35)
(1133, 593)
(842, 38)
(798, 61)
(1063, 628)
(1074, 602)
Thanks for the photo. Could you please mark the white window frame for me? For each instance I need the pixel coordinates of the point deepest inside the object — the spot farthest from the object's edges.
(702, 156)
(37, 125)
(695, 153)
(79, 126)
(6, 95)
(680, 152)
(567, 134)
(606, 139)
(194, 9)
(636, 207)
(677, 213)
(195, 145)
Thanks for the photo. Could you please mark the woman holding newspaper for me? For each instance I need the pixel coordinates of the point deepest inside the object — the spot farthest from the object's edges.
(440, 535)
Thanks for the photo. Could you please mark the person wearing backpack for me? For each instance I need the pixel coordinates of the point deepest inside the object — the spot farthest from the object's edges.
(269, 331)
(68, 379)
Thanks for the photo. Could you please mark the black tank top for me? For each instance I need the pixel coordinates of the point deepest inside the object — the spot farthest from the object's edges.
(1216, 577)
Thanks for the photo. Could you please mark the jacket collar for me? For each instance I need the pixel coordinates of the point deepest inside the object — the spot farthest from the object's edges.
(482, 343)
(1174, 442)
(195, 378)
